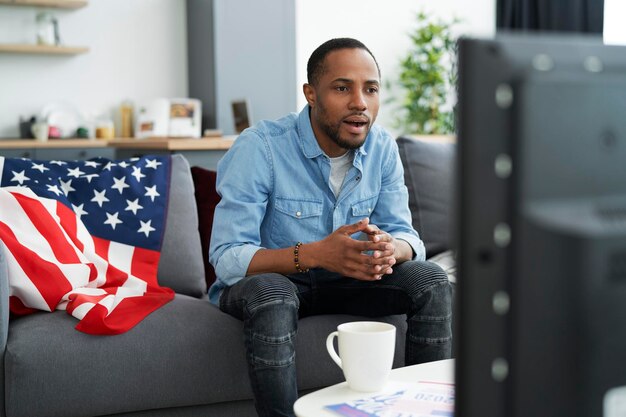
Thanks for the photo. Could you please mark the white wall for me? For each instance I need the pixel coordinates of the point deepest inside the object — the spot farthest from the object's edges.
(137, 51)
(383, 26)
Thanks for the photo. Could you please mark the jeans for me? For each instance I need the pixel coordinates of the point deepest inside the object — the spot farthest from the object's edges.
(270, 304)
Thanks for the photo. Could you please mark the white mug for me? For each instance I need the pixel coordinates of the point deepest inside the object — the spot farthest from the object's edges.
(366, 350)
(40, 131)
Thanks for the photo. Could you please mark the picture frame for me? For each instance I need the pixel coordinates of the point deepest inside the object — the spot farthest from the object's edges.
(241, 114)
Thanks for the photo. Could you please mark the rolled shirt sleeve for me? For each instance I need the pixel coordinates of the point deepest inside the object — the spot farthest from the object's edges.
(244, 183)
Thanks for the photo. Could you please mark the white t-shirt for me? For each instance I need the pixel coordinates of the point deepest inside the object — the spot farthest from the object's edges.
(339, 167)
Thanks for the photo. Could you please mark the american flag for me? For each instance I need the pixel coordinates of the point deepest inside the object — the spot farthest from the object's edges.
(85, 236)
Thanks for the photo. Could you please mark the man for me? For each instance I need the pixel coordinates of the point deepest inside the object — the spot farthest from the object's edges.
(314, 219)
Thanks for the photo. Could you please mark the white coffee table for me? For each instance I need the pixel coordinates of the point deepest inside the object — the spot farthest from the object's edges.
(312, 405)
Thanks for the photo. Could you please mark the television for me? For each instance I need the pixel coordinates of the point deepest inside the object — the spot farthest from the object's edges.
(540, 326)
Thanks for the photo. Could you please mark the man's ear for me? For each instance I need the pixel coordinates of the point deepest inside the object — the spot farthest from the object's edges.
(309, 94)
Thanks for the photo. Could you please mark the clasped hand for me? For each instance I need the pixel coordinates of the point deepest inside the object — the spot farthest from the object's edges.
(366, 260)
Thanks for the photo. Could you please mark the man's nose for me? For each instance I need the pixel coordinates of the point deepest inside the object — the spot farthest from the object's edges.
(357, 101)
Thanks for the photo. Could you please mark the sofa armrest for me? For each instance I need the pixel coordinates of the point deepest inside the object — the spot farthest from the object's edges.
(4, 299)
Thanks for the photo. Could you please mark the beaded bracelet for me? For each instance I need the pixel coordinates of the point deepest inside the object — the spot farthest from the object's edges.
(296, 260)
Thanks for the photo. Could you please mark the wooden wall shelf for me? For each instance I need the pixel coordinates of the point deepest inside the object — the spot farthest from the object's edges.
(42, 49)
(164, 144)
(175, 144)
(59, 4)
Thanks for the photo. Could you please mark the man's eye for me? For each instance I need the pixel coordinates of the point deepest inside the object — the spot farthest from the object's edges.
(372, 90)
(341, 88)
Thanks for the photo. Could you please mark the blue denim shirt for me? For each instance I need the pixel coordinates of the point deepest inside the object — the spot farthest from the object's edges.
(275, 189)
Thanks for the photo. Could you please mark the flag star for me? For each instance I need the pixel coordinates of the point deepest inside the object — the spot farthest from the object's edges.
(151, 192)
(39, 167)
(137, 174)
(133, 206)
(120, 184)
(78, 210)
(146, 227)
(99, 197)
(112, 219)
(109, 165)
(90, 177)
(92, 164)
(66, 186)
(123, 164)
(54, 189)
(59, 163)
(20, 177)
(152, 163)
(76, 172)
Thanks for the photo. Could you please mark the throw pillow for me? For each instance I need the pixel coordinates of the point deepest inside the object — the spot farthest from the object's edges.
(180, 266)
(428, 174)
(206, 200)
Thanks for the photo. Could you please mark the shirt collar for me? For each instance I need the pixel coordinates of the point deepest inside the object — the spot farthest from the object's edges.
(308, 143)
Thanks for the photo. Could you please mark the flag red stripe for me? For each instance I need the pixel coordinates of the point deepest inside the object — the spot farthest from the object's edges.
(114, 276)
(68, 223)
(16, 306)
(46, 276)
(76, 299)
(126, 314)
(145, 264)
(47, 226)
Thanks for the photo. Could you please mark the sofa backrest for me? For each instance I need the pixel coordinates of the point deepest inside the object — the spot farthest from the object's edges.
(180, 266)
(428, 175)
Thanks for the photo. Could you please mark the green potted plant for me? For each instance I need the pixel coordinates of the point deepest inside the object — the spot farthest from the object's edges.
(427, 79)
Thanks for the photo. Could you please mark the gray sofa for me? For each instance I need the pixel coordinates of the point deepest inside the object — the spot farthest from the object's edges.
(185, 359)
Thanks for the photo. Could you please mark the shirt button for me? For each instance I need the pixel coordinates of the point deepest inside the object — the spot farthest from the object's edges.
(298, 214)
(369, 209)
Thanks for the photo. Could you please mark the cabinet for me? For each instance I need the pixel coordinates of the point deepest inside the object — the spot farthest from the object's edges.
(44, 49)
(59, 149)
(60, 154)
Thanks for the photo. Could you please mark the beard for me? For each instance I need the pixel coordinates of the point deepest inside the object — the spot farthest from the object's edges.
(332, 131)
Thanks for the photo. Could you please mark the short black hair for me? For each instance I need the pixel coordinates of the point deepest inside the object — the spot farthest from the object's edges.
(315, 66)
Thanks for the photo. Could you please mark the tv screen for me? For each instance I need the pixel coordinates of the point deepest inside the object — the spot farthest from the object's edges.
(541, 202)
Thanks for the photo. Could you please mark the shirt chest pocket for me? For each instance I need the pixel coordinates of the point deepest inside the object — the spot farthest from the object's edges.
(296, 220)
(363, 208)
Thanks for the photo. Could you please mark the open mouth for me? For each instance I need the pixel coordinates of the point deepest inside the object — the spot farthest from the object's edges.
(356, 124)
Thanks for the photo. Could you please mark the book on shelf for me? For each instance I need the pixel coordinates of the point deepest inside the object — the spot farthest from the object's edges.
(421, 399)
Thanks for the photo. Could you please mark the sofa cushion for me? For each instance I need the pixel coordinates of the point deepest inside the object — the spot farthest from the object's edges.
(428, 174)
(180, 265)
(206, 200)
(186, 353)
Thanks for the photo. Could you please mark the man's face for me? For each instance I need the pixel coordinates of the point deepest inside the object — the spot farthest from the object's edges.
(344, 101)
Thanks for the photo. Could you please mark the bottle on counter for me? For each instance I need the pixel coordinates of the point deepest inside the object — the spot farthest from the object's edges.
(126, 119)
